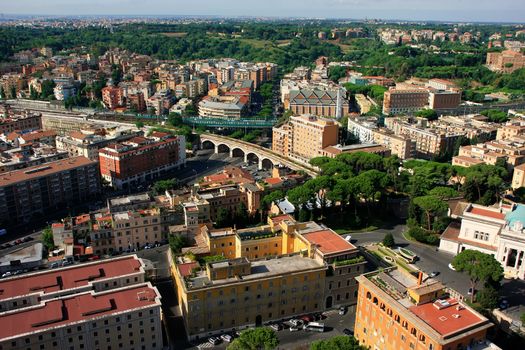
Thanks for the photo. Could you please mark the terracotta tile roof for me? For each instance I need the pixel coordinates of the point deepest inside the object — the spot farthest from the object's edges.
(487, 213)
(447, 320)
(328, 241)
(451, 233)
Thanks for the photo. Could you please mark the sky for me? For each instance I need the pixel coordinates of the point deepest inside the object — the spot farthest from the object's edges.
(441, 10)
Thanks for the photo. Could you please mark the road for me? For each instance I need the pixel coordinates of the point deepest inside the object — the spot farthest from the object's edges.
(334, 325)
(429, 259)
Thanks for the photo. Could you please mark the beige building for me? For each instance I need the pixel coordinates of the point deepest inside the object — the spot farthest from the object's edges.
(276, 271)
(507, 61)
(518, 177)
(101, 305)
(305, 137)
(512, 153)
(510, 130)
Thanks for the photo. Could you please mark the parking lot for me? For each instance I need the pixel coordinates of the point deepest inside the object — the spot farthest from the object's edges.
(334, 326)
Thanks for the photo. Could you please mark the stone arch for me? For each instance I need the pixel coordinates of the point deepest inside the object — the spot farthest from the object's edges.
(252, 157)
(207, 144)
(223, 148)
(267, 163)
(237, 152)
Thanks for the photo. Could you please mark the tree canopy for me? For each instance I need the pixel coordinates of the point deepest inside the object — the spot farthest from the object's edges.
(337, 343)
(262, 338)
(480, 267)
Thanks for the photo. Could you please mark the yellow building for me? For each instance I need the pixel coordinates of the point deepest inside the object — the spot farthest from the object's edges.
(518, 177)
(268, 273)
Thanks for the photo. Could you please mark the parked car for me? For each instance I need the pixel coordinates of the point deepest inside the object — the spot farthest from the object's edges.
(450, 266)
(67, 262)
(348, 332)
(276, 326)
(55, 265)
(295, 328)
(6, 274)
(214, 340)
(342, 310)
(433, 274)
(470, 291)
(296, 322)
(94, 257)
(227, 338)
(18, 241)
(307, 318)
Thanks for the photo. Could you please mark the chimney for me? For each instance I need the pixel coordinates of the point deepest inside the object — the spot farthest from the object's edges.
(420, 278)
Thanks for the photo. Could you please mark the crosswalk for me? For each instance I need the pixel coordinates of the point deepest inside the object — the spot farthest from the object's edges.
(205, 345)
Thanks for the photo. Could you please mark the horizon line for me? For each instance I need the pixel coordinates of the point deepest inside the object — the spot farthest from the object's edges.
(265, 17)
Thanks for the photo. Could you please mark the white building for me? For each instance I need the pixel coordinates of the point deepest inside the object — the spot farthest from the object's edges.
(497, 231)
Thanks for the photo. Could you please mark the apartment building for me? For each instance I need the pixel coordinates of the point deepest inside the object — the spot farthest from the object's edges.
(407, 98)
(224, 107)
(26, 121)
(511, 130)
(141, 159)
(135, 229)
(510, 152)
(518, 176)
(306, 136)
(429, 141)
(492, 230)
(272, 272)
(506, 62)
(87, 141)
(112, 97)
(399, 145)
(100, 305)
(404, 101)
(396, 310)
(45, 188)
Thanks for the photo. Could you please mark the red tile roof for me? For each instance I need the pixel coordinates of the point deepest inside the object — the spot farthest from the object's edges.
(444, 321)
(74, 309)
(278, 219)
(186, 269)
(328, 241)
(487, 213)
(68, 278)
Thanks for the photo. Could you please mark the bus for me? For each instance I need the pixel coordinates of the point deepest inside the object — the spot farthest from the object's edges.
(408, 255)
(315, 327)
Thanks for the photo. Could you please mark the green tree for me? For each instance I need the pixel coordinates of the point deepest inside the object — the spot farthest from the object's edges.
(48, 87)
(2, 93)
(480, 267)
(47, 238)
(175, 119)
(388, 240)
(443, 193)
(162, 186)
(223, 218)
(432, 206)
(177, 242)
(341, 342)
(488, 297)
(139, 124)
(262, 338)
(429, 114)
(271, 197)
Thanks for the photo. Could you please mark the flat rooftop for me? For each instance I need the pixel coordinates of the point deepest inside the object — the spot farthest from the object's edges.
(43, 170)
(491, 214)
(329, 242)
(260, 269)
(447, 316)
(68, 278)
(28, 254)
(77, 308)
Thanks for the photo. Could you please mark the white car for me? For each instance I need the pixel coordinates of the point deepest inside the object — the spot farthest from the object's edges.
(450, 266)
(342, 310)
(227, 338)
(214, 340)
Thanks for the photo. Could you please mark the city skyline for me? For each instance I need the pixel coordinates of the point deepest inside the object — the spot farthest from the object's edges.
(446, 10)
